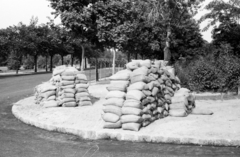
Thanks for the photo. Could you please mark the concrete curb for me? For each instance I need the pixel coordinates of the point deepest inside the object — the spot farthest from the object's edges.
(123, 136)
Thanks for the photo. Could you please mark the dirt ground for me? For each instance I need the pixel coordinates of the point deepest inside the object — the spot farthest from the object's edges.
(221, 128)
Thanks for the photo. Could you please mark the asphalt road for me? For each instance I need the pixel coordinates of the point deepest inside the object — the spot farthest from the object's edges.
(20, 140)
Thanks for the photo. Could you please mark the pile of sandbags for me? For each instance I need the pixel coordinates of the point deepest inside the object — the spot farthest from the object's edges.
(182, 104)
(45, 95)
(81, 86)
(66, 90)
(70, 88)
(112, 109)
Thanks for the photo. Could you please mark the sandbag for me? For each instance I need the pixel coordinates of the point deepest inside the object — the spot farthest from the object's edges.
(114, 101)
(109, 125)
(180, 105)
(81, 86)
(140, 78)
(179, 99)
(79, 90)
(146, 123)
(48, 94)
(68, 95)
(146, 63)
(131, 111)
(115, 94)
(132, 65)
(68, 73)
(110, 117)
(155, 91)
(147, 92)
(69, 90)
(45, 87)
(53, 97)
(131, 119)
(120, 82)
(50, 103)
(135, 94)
(69, 104)
(68, 86)
(81, 81)
(146, 117)
(177, 113)
(137, 86)
(82, 94)
(65, 100)
(133, 103)
(197, 111)
(68, 78)
(112, 87)
(140, 71)
(81, 77)
(86, 98)
(58, 70)
(131, 126)
(85, 103)
(121, 75)
(112, 109)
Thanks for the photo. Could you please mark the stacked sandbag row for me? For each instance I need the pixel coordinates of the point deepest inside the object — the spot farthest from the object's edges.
(82, 94)
(66, 90)
(45, 95)
(182, 104)
(148, 95)
(112, 109)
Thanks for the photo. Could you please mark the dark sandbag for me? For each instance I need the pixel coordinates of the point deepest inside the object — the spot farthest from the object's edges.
(131, 119)
(114, 101)
(109, 125)
(69, 104)
(131, 126)
(147, 92)
(132, 103)
(112, 109)
(131, 111)
(110, 117)
(197, 111)
(177, 113)
(146, 117)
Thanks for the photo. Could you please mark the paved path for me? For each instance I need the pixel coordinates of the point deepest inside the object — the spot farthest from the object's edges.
(20, 140)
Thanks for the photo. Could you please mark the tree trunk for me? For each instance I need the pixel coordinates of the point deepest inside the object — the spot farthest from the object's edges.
(51, 63)
(46, 63)
(96, 67)
(114, 58)
(136, 55)
(62, 57)
(72, 60)
(17, 71)
(128, 56)
(35, 63)
(83, 51)
(167, 52)
(85, 62)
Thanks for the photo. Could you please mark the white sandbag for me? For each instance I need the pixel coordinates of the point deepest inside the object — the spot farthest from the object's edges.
(114, 101)
(135, 94)
(137, 86)
(51, 103)
(121, 75)
(131, 119)
(65, 83)
(68, 86)
(53, 97)
(133, 103)
(82, 94)
(110, 117)
(131, 126)
(109, 125)
(177, 113)
(112, 109)
(81, 86)
(65, 100)
(48, 94)
(180, 105)
(68, 95)
(44, 87)
(81, 82)
(69, 90)
(131, 111)
(81, 77)
(146, 63)
(58, 70)
(140, 71)
(86, 98)
(85, 103)
(115, 94)
(68, 78)
(79, 90)
(69, 104)
(132, 65)
(197, 111)
(140, 78)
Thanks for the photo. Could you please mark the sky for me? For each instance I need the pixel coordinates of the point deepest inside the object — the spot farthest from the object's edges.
(14, 11)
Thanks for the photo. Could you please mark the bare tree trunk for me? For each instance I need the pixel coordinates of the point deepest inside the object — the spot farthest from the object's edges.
(136, 55)
(51, 63)
(85, 62)
(82, 63)
(167, 52)
(72, 59)
(96, 67)
(46, 63)
(35, 63)
(62, 57)
(114, 58)
(128, 56)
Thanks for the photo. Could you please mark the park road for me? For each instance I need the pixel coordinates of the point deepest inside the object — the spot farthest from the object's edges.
(20, 140)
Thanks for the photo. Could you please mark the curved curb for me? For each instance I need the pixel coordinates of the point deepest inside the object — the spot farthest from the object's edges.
(123, 136)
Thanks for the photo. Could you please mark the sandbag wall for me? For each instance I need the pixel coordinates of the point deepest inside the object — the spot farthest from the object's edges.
(148, 95)
(112, 109)
(70, 89)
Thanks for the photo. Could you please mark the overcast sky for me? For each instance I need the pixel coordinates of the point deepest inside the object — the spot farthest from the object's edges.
(14, 11)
